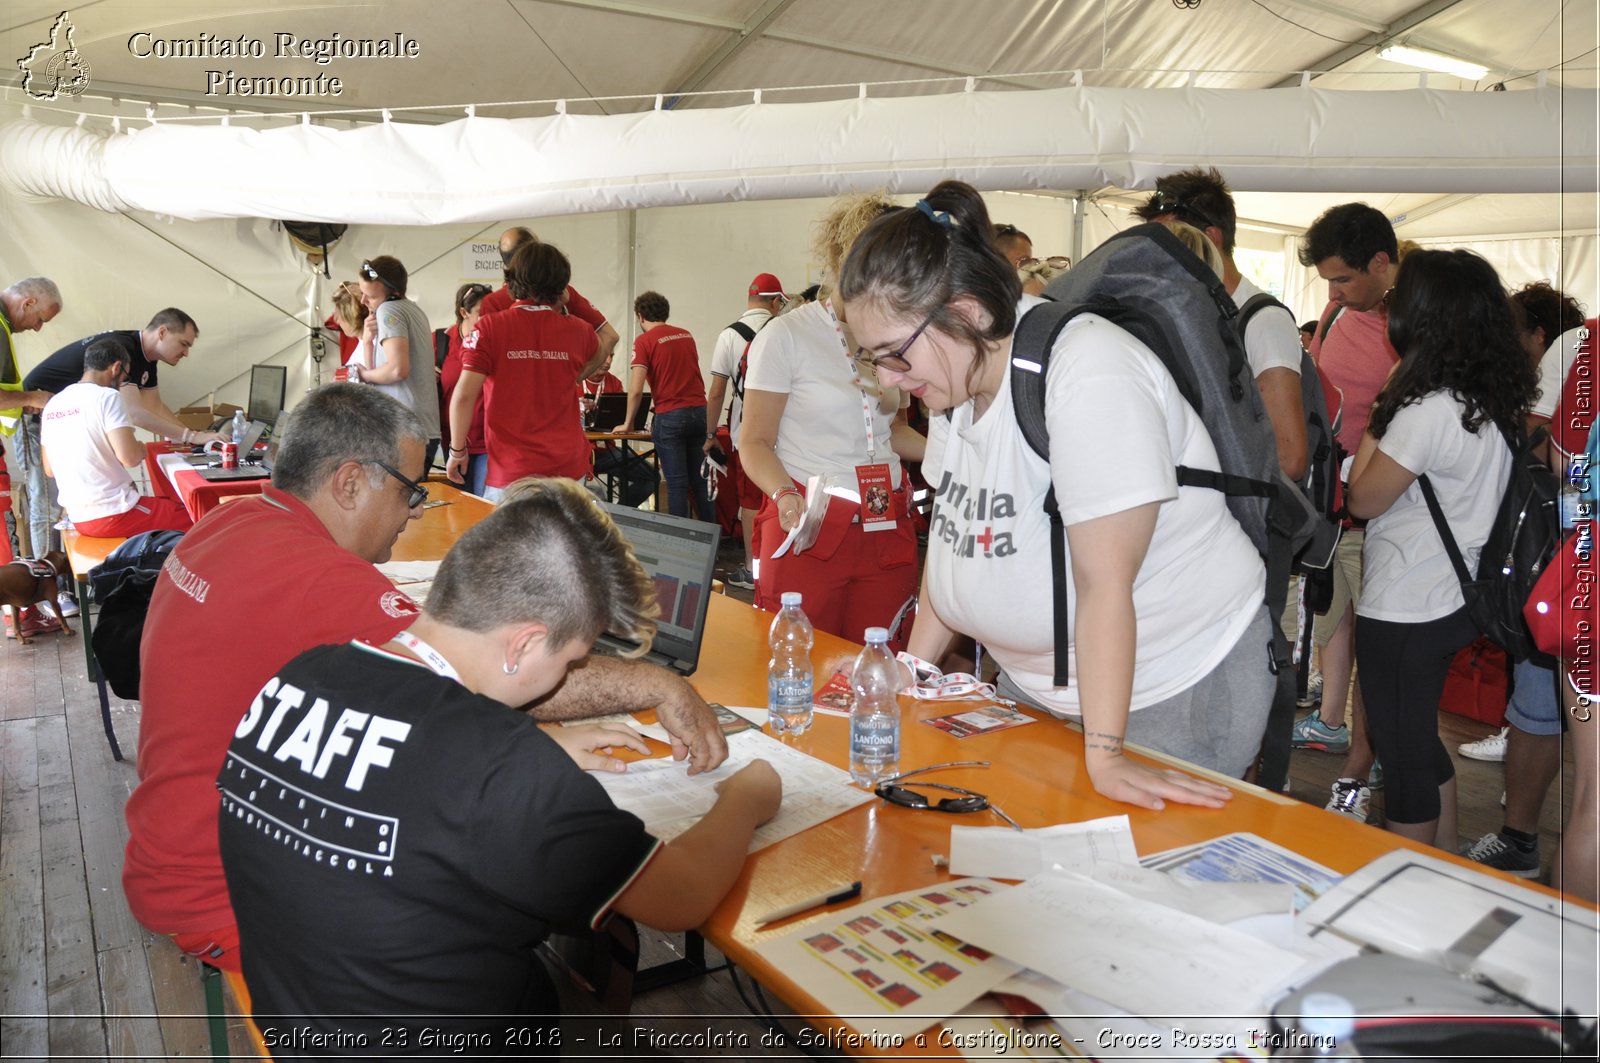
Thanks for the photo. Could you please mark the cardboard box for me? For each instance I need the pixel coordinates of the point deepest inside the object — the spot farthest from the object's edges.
(201, 418)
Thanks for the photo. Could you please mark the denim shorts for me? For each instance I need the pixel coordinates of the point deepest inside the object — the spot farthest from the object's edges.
(1535, 707)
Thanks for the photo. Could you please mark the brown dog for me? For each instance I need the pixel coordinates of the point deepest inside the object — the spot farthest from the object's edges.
(27, 582)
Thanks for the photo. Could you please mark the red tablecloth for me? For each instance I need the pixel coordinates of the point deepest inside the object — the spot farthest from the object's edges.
(198, 495)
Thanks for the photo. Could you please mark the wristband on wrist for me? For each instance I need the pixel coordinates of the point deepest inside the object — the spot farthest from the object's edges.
(777, 495)
(458, 450)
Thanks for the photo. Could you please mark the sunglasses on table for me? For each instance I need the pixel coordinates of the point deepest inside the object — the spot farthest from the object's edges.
(895, 360)
(419, 493)
(898, 792)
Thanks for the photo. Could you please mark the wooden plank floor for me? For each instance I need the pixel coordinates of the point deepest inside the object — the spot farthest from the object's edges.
(79, 978)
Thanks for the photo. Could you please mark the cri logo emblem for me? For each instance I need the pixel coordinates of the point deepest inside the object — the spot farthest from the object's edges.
(55, 68)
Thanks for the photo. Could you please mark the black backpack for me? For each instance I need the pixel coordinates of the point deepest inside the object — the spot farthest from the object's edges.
(1324, 455)
(1146, 282)
(749, 335)
(1522, 540)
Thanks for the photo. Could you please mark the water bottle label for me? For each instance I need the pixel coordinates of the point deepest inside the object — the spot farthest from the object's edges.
(788, 692)
(875, 741)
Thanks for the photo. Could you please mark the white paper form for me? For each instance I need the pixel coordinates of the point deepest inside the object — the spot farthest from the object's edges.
(882, 968)
(1220, 902)
(670, 800)
(1407, 903)
(415, 578)
(1000, 852)
(1145, 958)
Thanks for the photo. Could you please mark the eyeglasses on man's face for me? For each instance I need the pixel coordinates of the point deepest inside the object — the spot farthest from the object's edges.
(1054, 262)
(419, 493)
(895, 360)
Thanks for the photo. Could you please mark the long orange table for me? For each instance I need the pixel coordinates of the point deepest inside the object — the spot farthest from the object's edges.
(1037, 775)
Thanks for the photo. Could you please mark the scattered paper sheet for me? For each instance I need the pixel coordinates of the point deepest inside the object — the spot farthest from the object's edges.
(1539, 947)
(1000, 852)
(1144, 958)
(402, 572)
(1220, 902)
(670, 800)
(882, 968)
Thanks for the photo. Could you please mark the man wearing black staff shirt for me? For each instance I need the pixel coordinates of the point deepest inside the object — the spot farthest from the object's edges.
(165, 341)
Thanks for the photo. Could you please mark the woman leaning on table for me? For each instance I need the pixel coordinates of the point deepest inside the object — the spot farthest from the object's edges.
(810, 409)
(1168, 627)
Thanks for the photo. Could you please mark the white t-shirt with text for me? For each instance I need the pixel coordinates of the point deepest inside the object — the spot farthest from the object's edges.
(75, 431)
(1118, 429)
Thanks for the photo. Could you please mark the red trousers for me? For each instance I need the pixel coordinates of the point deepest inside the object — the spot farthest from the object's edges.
(850, 579)
(148, 514)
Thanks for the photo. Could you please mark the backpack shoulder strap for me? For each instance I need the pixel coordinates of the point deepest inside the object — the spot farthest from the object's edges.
(1457, 562)
(1254, 305)
(749, 335)
(1031, 345)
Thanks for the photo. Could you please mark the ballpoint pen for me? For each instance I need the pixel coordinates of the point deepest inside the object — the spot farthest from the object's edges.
(832, 896)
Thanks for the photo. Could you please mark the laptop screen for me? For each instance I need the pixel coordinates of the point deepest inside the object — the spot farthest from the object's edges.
(679, 554)
(267, 386)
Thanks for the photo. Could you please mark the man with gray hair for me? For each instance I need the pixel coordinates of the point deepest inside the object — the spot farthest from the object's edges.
(26, 306)
(297, 565)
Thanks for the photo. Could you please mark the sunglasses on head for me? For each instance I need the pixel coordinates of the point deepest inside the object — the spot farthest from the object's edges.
(898, 792)
(1167, 203)
(419, 494)
(373, 275)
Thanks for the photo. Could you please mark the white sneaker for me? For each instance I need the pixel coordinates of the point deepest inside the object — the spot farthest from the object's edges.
(1491, 748)
(66, 604)
(1350, 798)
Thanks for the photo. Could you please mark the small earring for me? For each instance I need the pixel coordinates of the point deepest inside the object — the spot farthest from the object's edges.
(509, 669)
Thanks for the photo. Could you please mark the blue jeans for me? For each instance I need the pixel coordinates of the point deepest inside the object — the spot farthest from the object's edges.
(43, 509)
(680, 437)
(477, 473)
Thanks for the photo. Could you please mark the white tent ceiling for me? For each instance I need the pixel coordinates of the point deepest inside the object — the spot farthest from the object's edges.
(613, 57)
(704, 57)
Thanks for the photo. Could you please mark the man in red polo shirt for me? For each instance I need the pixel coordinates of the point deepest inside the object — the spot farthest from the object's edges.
(570, 303)
(526, 362)
(293, 569)
(666, 356)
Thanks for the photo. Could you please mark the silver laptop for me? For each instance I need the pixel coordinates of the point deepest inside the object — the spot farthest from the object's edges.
(209, 465)
(679, 554)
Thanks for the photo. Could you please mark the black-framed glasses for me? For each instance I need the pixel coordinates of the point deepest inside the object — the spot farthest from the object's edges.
(1167, 203)
(895, 360)
(371, 274)
(897, 791)
(419, 494)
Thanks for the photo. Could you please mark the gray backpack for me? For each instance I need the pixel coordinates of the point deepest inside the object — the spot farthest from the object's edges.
(1146, 282)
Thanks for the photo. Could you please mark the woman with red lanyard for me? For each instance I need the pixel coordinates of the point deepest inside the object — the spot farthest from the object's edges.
(468, 296)
(812, 410)
(526, 363)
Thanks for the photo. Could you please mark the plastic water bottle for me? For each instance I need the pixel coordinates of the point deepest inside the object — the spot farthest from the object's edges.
(875, 716)
(789, 671)
(241, 427)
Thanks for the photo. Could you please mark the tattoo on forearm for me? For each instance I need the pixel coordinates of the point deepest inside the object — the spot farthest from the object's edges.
(1102, 740)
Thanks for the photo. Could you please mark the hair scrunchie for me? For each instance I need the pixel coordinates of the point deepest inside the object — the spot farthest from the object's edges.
(940, 216)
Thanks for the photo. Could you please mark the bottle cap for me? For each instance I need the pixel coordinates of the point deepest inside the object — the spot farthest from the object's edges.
(877, 634)
(1328, 1015)
(790, 598)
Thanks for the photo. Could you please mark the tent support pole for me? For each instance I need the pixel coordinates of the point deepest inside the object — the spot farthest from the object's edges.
(1079, 203)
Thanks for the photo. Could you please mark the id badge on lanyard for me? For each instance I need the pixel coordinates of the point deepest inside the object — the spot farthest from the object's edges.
(874, 481)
